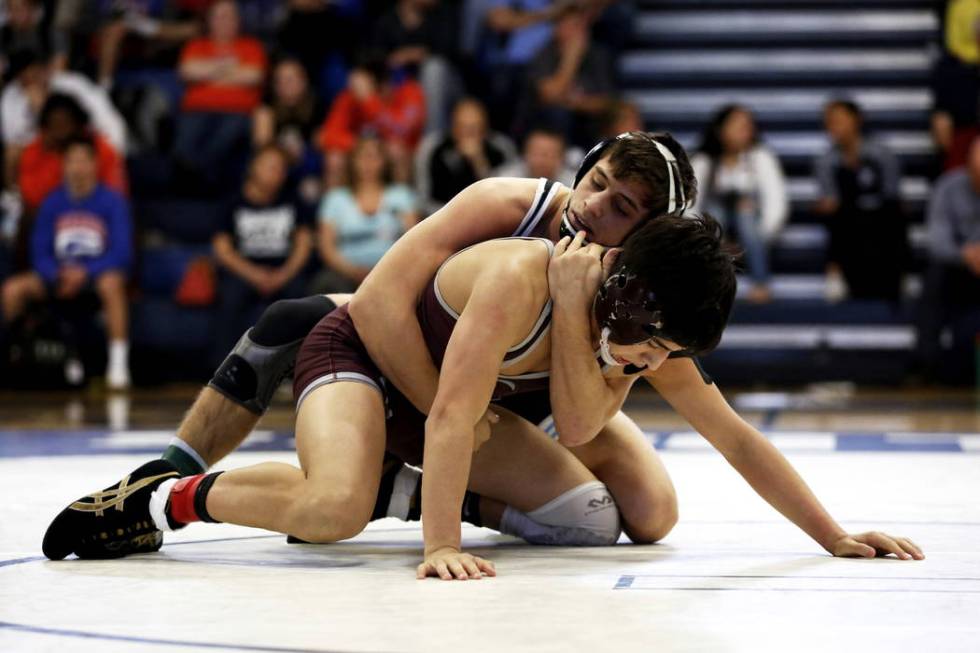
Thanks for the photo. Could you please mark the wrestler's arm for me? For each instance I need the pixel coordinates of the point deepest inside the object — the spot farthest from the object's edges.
(759, 462)
(495, 316)
(582, 399)
(383, 309)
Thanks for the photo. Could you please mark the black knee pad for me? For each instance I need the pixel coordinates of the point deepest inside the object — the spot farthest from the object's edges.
(266, 353)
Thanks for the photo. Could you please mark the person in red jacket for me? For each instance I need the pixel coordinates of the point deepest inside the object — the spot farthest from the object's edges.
(372, 102)
(40, 168)
(224, 72)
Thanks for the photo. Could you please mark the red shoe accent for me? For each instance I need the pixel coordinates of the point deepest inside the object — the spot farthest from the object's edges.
(181, 505)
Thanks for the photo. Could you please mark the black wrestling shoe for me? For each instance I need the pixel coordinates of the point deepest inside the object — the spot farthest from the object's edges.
(112, 523)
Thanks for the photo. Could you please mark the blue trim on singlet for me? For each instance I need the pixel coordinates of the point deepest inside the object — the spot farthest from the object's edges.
(547, 189)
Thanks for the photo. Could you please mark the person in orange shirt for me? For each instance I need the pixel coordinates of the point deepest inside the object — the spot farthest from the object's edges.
(40, 168)
(223, 72)
(372, 102)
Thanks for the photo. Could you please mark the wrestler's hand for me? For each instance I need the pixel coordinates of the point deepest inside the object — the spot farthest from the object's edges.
(449, 563)
(483, 428)
(875, 544)
(577, 270)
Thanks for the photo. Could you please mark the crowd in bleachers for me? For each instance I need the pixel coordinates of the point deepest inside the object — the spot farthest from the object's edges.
(224, 154)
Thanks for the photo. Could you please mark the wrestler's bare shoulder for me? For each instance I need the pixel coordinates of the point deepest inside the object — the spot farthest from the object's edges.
(507, 262)
(512, 194)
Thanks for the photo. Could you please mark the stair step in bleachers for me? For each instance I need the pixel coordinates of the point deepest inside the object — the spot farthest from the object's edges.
(782, 108)
(767, 27)
(701, 5)
(866, 66)
(785, 59)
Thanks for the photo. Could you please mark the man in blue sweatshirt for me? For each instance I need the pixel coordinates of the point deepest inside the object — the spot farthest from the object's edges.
(81, 241)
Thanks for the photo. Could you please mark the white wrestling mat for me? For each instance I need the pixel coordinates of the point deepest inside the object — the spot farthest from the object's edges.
(733, 576)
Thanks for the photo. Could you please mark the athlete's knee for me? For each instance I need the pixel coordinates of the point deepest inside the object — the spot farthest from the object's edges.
(330, 515)
(266, 353)
(584, 516)
(653, 525)
(288, 320)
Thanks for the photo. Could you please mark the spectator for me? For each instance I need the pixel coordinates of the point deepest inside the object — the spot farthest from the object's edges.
(418, 37)
(23, 30)
(543, 156)
(263, 246)
(448, 163)
(740, 182)
(956, 84)
(373, 103)
(288, 117)
(62, 119)
(360, 222)
(952, 284)
(858, 180)
(224, 72)
(963, 30)
(31, 81)
(323, 36)
(518, 30)
(621, 116)
(146, 32)
(571, 83)
(81, 242)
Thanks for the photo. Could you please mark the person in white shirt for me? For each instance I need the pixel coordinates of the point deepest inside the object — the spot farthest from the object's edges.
(31, 81)
(543, 156)
(741, 183)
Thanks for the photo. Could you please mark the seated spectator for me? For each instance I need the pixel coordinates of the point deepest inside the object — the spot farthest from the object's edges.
(263, 247)
(956, 84)
(952, 284)
(858, 180)
(543, 156)
(963, 30)
(359, 222)
(323, 36)
(144, 33)
(288, 117)
(448, 163)
(224, 72)
(740, 182)
(621, 116)
(31, 81)
(418, 38)
(62, 119)
(373, 103)
(570, 84)
(24, 30)
(81, 242)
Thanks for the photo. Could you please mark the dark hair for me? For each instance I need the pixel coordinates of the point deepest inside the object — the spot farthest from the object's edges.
(387, 173)
(61, 102)
(711, 144)
(685, 262)
(544, 131)
(374, 63)
(82, 140)
(847, 105)
(638, 159)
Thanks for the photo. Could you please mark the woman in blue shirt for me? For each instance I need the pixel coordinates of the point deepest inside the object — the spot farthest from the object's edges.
(359, 222)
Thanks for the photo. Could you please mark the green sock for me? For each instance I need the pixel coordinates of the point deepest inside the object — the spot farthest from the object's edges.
(187, 461)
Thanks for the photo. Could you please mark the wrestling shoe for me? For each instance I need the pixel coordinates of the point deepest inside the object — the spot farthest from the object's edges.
(112, 523)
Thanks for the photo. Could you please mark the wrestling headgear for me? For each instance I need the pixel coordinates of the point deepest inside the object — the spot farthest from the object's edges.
(628, 313)
(676, 201)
